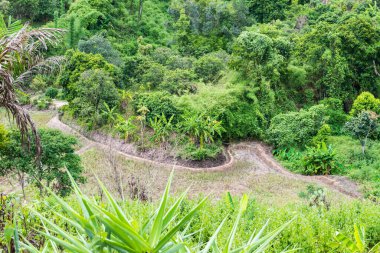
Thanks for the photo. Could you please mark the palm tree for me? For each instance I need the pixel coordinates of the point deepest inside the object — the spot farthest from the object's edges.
(20, 59)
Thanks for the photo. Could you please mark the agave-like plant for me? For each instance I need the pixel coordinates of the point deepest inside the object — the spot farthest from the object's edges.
(110, 228)
(20, 59)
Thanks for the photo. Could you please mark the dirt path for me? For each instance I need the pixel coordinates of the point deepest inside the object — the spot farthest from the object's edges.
(255, 152)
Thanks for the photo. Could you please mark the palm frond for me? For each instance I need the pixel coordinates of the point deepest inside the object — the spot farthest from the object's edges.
(20, 59)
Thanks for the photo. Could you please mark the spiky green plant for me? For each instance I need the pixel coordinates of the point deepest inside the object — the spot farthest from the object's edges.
(110, 228)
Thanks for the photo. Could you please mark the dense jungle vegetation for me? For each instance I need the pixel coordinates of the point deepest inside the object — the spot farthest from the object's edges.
(186, 78)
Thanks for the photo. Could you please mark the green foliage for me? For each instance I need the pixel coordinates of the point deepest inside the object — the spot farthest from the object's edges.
(242, 120)
(23, 98)
(362, 127)
(38, 83)
(266, 10)
(126, 127)
(201, 128)
(340, 52)
(208, 68)
(36, 10)
(335, 113)
(164, 231)
(203, 27)
(79, 62)
(300, 234)
(179, 82)
(162, 128)
(58, 155)
(100, 45)
(316, 196)
(157, 103)
(358, 245)
(94, 90)
(51, 92)
(320, 160)
(296, 129)
(153, 74)
(42, 102)
(194, 152)
(3, 137)
(365, 102)
(322, 135)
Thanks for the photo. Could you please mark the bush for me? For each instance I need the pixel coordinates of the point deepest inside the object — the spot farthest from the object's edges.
(322, 135)
(100, 45)
(23, 98)
(51, 92)
(179, 62)
(95, 88)
(320, 160)
(242, 120)
(193, 152)
(208, 68)
(335, 114)
(77, 63)
(178, 82)
(42, 103)
(3, 136)
(365, 102)
(38, 83)
(296, 129)
(157, 103)
(153, 75)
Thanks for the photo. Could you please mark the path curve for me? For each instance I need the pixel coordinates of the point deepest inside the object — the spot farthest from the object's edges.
(257, 152)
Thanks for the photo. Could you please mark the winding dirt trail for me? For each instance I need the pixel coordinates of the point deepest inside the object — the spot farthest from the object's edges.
(255, 152)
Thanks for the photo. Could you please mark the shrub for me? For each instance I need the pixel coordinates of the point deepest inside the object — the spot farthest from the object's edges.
(23, 98)
(58, 155)
(208, 68)
(336, 117)
(77, 63)
(162, 55)
(42, 102)
(316, 196)
(157, 103)
(193, 152)
(51, 92)
(365, 102)
(94, 89)
(322, 135)
(201, 129)
(38, 83)
(179, 62)
(362, 127)
(242, 120)
(178, 82)
(296, 128)
(153, 75)
(164, 234)
(4, 138)
(320, 160)
(99, 45)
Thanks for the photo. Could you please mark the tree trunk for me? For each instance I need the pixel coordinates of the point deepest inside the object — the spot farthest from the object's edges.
(363, 143)
(141, 9)
(131, 7)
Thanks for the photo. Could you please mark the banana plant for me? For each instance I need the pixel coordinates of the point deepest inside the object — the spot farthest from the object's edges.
(358, 245)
